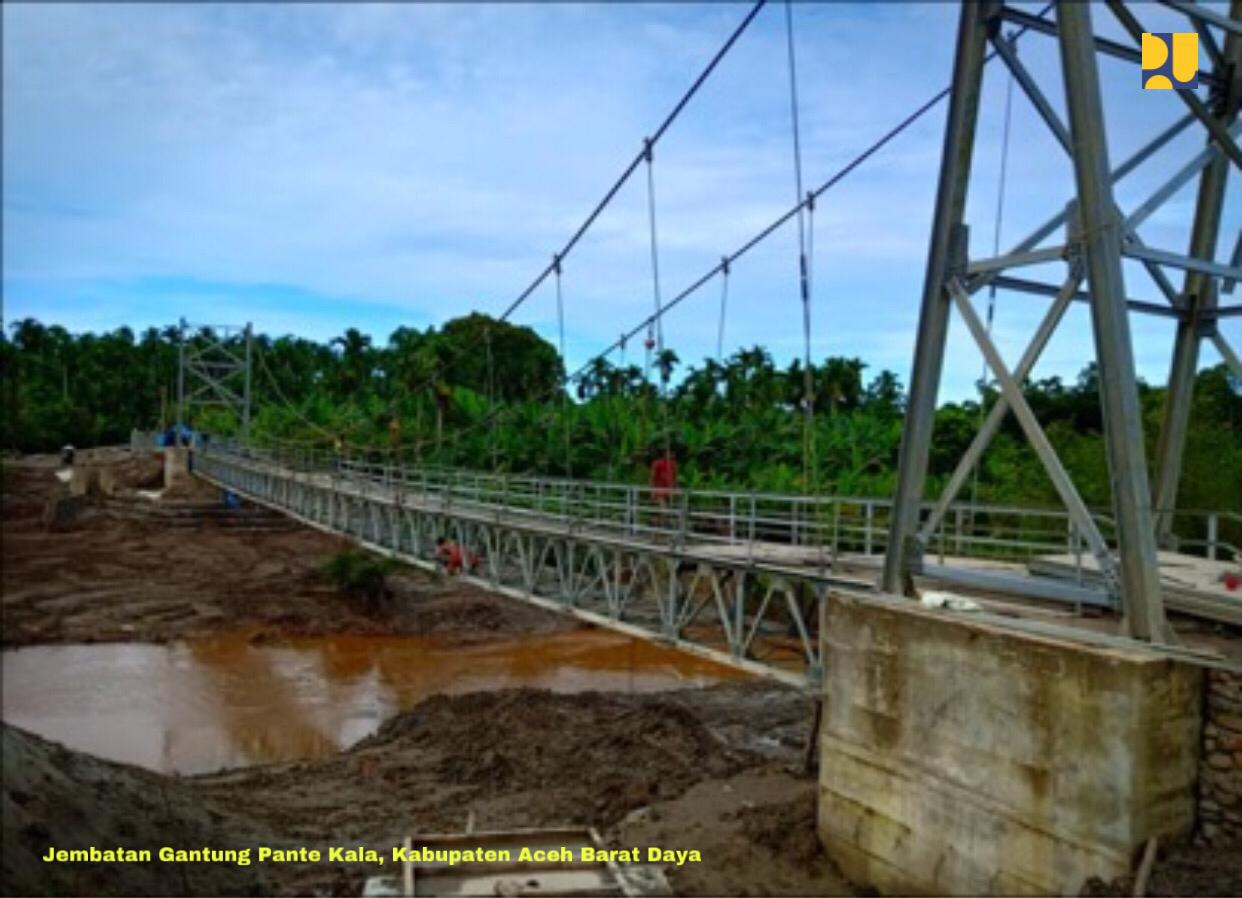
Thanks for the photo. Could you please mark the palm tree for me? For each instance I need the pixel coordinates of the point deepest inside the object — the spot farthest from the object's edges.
(840, 383)
(356, 366)
(665, 361)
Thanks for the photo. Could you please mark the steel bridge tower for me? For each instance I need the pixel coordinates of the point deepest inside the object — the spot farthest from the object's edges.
(1097, 237)
(213, 369)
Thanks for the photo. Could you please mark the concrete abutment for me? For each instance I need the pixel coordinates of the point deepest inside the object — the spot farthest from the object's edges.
(960, 756)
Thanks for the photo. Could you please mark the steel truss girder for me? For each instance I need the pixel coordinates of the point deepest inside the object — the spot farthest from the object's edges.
(741, 614)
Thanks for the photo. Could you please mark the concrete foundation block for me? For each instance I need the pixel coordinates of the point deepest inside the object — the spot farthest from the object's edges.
(84, 481)
(176, 464)
(962, 757)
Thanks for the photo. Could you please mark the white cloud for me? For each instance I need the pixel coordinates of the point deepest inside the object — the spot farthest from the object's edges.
(428, 159)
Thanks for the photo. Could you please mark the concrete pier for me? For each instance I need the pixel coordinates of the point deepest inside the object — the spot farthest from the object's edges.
(960, 756)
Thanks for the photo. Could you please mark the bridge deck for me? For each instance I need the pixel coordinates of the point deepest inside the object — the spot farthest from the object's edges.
(744, 602)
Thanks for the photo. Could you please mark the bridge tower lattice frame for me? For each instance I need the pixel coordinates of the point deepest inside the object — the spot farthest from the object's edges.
(211, 372)
(1098, 237)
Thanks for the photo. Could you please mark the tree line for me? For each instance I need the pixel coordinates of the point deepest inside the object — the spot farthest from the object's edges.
(486, 394)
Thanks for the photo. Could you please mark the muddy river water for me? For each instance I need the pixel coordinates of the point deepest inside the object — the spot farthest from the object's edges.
(221, 701)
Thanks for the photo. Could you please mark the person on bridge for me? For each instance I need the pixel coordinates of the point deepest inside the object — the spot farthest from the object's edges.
(454, 558)
(663, 477)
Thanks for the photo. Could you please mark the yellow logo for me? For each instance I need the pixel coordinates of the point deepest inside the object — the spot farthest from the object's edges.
(1171, 61)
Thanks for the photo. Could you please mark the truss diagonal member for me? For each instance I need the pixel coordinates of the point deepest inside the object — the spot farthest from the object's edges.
(1010, 57)
(221, 395)
(996, 416)
(1199, 13)
(1236, 261)
(1157, 143)
(1208, 41)
(758, 619)
(734, 638)
(1227, 353)
(198, 353)
(1034, 433)
(1202, 160)
(1044, 26)
(1186, 263)
(804, 636)
(1218, 131)
(211, 383)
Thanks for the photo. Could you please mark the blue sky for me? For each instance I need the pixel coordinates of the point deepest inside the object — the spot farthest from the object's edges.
(314, 167)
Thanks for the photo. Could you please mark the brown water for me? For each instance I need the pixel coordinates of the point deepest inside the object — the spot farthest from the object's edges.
(220, 701)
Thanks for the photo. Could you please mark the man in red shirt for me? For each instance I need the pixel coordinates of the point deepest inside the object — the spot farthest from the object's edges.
(454, 558)
(663, 477)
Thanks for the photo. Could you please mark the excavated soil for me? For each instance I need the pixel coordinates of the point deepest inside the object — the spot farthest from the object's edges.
(630, 765)
(717, 770)
(103, 578)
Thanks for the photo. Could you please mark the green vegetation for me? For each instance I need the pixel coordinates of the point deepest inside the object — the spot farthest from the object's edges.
(361, 576)
(442, 397)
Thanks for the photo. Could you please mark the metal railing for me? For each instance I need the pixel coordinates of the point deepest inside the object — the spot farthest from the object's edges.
(811, 527)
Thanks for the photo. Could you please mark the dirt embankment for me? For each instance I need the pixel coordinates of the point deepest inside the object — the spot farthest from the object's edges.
(666, 770)
(103, 578)
(56, 798)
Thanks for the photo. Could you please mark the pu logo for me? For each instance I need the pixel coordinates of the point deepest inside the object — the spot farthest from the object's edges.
(1171, 61)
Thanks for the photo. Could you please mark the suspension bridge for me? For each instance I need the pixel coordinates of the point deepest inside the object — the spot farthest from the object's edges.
(742, 576)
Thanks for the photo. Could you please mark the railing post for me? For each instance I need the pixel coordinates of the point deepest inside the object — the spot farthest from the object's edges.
(836, 528)
(868, 515)
(750, 543)
(1077, 551)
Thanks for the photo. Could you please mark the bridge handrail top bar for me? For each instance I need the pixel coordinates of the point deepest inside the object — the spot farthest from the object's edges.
(461, 475)
(718, 493)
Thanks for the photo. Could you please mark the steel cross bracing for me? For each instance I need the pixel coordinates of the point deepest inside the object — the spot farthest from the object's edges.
(213, 371)
(1098, 235)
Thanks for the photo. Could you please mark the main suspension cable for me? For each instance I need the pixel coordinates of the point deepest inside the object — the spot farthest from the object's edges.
(643, 154)
(811, 197)
(725, 265)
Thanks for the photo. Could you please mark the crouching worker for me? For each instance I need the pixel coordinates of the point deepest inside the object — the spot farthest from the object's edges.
(453, 558)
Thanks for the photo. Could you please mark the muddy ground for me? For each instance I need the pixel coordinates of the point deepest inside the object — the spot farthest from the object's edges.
(717, 770)
(103, 577)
